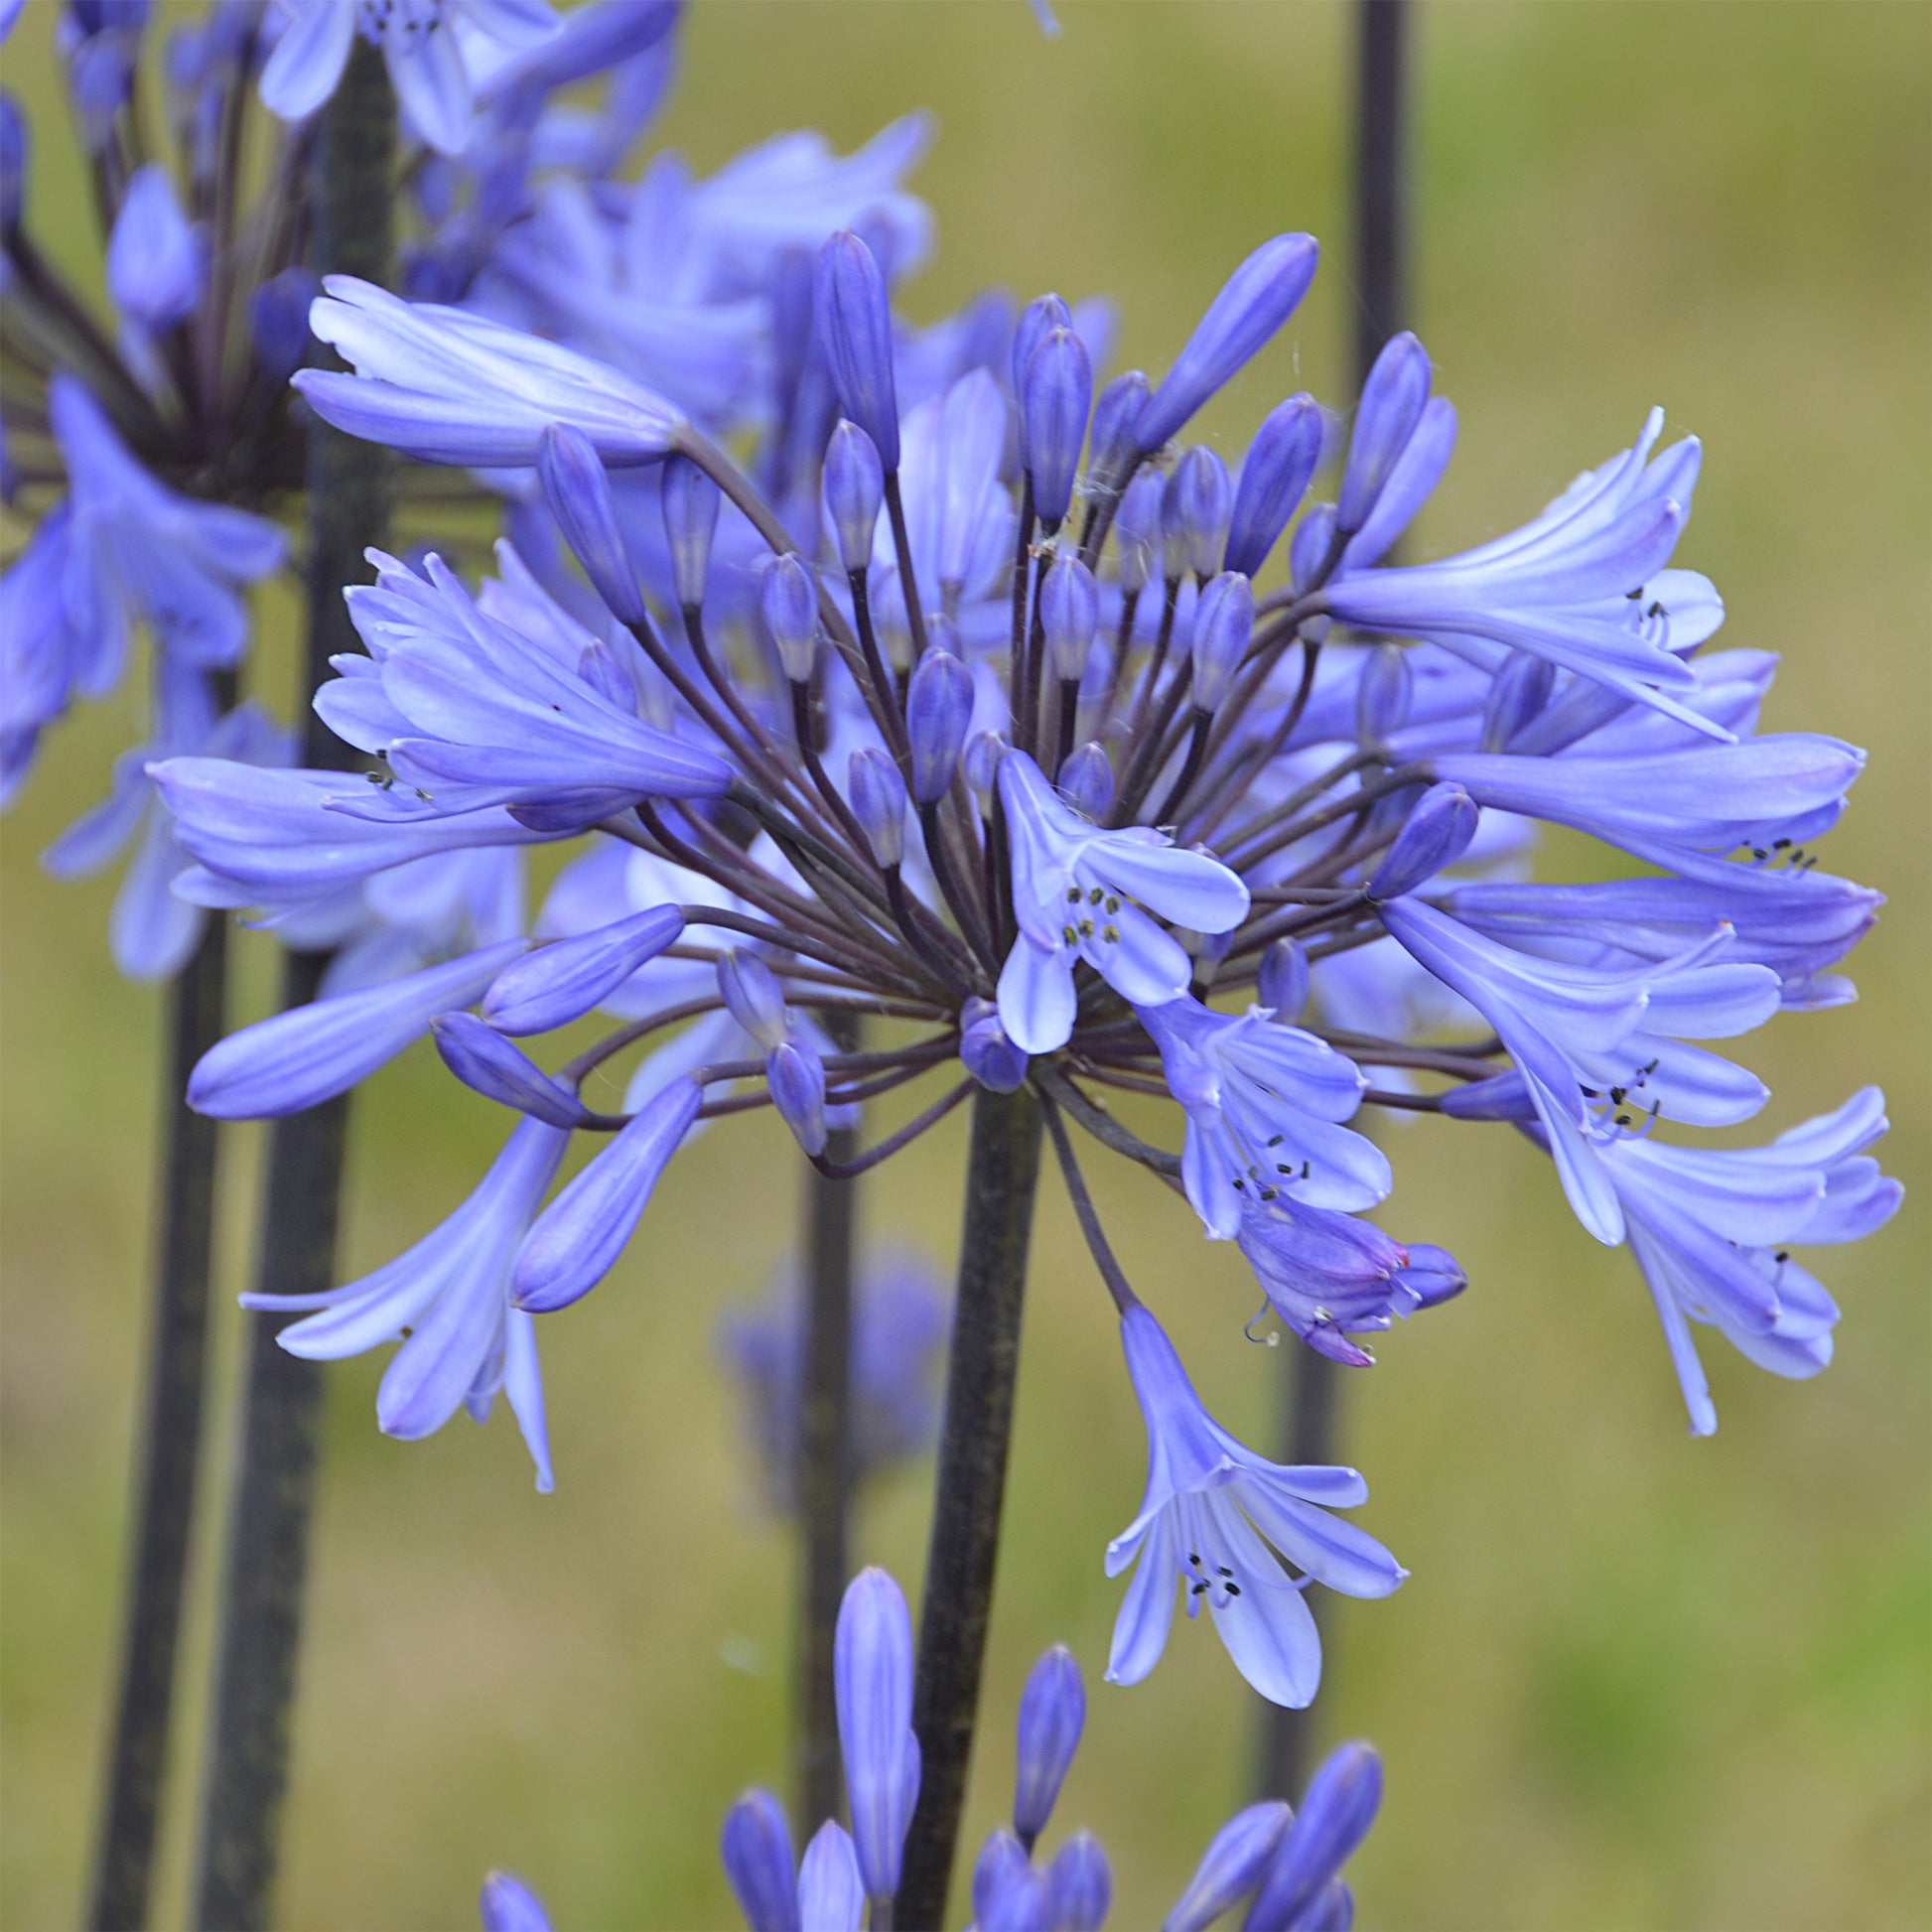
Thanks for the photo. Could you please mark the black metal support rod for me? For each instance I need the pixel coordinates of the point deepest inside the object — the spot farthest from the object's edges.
(824, 1468)
(1003, 1172)
(169, 1455)
(258, 1636)
(1312, 1385)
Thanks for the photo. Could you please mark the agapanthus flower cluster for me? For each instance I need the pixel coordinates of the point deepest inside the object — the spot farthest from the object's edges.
(1285, 1865)
(974, 706)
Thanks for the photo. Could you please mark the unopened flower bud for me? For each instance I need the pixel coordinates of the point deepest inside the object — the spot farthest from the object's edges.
(481, 1057)
(1518, 693)
(877, 795)
(1069, 615)
(690, 501)
(753, 997)
(1136, 530)
(1336, 1812)
(788, 599)
(13, 162)
(1086, 781)
(855, 325)
(1232, 1866)
(278, 320)
(1053, 422)
(1053, 1713)
(561, 982)
(1382, 697)
(1258, 298)
(1195, 511)
(1038, 320)
(1308, 548)
(796, 1077)
(1111, 446)
(157, 260)
(986, 1051)
(755, 1846)
(1437, 834)
(854, 488)
(508, 1904)
(1224, 623)
(1274, 475)
(890, 621)
(1282, 982)
(1390, 408)
(1079, 1885)
(579, 495)
(984, 750)
(939, 709)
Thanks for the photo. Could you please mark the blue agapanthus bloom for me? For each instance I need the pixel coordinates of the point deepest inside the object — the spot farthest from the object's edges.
(898, 1333)
(966, 707)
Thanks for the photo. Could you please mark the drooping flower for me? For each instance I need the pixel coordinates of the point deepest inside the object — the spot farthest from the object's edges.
(447, 1301)
(1224, 1525)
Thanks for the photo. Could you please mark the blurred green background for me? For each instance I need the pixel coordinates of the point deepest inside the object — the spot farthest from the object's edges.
(1636, 1680)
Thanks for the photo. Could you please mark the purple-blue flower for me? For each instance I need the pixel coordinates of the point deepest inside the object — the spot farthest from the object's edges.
(1224, 1525)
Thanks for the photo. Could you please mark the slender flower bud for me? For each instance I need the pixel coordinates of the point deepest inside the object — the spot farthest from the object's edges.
(1437, 834)
(1274, 475)
(877, 795)
(1224, 623)
(888, 618)
(981, 763)
(1195, 513)
(690, 501)
(1137, 529)
(1069, 614)
(278, 320)
(1038, 320)
(508, 1904)
(156, 261)
(1053, 1713)
(579, 495)
(1340, 1806)
(1231, 1867)
(873, 1678)
(578, 1237)
(1519, 693)
(1111, 446)
(564, 980)
(1079, 1884)
(854, 488)
(1259, 297)
(308, 1054)
(753, 997)
(756, 1847)
(1282, 982)
(796, 1077)
(14, 148)
(986, 1051)
(939, 709)
(1308, 548)
(1001, 1863)
(789, 597)
(831, 1889)
(1086, 781)
(1053, 422)
(482, 1058)
(1392, 404)
(1382, 697)
(855, 325)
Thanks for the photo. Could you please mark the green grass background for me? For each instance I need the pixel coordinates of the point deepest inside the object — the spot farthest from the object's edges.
(1636, 1680)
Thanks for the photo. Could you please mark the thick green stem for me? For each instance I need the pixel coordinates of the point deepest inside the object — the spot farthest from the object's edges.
(824, 1465)
(267, 1561)
(169, 1456)
(1001, 1176)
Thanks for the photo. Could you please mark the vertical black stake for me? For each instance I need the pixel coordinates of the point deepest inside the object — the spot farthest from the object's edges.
(266, 1558)
(824, 1469)
(1310, 1423)
(1002, 1173)
(169, 1451)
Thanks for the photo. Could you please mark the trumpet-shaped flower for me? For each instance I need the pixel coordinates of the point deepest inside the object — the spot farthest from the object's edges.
(1213, 1520)
(1074, 889)
(447, 1301)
